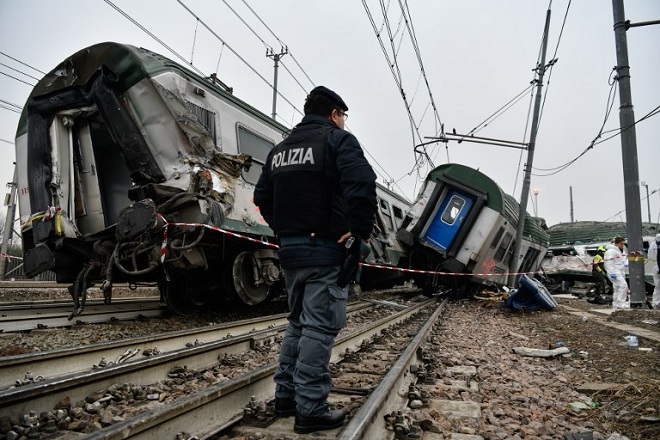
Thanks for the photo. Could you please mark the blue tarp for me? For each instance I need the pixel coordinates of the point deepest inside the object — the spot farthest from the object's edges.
(531, 295)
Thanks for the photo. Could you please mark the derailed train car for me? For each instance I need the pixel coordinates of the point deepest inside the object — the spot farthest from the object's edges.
(463, 225)
(133, 169)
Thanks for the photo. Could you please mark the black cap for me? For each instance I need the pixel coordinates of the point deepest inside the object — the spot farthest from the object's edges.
(332, 95)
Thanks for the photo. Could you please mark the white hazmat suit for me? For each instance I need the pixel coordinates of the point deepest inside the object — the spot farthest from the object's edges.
(653, 256)
(614, 265)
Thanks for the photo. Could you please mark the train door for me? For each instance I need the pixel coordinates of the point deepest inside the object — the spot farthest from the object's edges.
(448, 219)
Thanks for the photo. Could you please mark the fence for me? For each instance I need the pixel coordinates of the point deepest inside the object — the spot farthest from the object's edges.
(14, 271)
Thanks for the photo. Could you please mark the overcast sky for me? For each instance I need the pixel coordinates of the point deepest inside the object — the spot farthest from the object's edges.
(477, 56)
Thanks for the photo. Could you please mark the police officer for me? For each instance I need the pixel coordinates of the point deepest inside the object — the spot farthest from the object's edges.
(598, 272)
(316, 190)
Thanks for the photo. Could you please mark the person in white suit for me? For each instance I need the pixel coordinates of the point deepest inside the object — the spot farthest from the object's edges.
(615, 267)
(653, 256)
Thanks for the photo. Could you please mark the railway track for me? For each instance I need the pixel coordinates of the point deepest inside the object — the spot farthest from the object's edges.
(211, 408)
(22, 316)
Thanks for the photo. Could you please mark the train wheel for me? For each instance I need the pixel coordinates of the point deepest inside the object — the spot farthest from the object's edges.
(243, 280)
(179, 297)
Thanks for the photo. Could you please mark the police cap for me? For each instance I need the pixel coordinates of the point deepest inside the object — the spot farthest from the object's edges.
(330, 94)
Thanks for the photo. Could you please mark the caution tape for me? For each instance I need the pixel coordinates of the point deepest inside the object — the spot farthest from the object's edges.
(224, 231)
(163, 250)
(10, 256)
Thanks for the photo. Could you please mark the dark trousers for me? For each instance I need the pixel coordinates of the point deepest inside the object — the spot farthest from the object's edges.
(600, 281)
(318, 313)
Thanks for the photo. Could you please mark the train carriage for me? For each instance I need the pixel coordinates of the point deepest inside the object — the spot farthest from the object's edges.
(132, 168)
(463, 225)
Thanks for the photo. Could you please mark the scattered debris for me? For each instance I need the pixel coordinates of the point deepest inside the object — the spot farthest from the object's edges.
(535, 352)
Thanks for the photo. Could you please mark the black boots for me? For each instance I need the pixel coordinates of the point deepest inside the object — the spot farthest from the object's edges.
(285, 407)
(329, 420)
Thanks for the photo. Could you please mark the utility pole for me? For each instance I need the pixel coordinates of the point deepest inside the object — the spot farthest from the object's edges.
(630, 165)
(648, 201)
(276, 57)
(9, 225)
(536, 192)
(514, 264)
(570, 188)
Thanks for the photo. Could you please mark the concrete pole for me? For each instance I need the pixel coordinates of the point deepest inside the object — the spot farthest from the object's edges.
(276, 57)
(516, 258)
(630, 165)
(648, 200)
(9, 225)
(571, 194)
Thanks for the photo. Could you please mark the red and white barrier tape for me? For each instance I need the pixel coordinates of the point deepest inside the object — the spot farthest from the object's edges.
(10, 256)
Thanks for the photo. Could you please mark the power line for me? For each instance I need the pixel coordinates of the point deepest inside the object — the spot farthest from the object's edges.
(19, 71)
(145, 30)
(653, 112)
(382, 171)
(282, 44)
(235, 53)
(21, 62)
(17, 79)
(12, 104)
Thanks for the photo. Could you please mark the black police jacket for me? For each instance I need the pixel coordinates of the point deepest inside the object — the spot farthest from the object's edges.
(317, 181)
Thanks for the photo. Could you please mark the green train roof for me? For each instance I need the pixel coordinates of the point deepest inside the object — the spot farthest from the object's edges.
(497, 199)
(131, 64)
(592, 232)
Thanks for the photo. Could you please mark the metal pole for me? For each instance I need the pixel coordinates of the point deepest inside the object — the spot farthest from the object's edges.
(630, 165)
(514, 264)
(9, 224)
(276, 57)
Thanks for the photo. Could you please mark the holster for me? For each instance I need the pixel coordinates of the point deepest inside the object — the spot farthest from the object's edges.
(350, 268)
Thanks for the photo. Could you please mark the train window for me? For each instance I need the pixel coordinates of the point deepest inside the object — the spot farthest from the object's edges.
(503, 247)
(398, 212)
(510, 252)
(385, 210)
(497, 237)
(452, 210)
(528, 262)
(206, 118)
(258, 148)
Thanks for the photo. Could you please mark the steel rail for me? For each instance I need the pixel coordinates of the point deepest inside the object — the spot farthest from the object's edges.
(391, 392)
(217, 407)
(58, 316)
(12, 308)
(76, 382)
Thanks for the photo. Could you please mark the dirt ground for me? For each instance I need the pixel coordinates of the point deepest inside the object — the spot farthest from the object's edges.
(631, 405)
(623, 381)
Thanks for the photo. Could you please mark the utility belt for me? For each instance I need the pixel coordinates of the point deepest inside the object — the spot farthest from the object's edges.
(308, 240)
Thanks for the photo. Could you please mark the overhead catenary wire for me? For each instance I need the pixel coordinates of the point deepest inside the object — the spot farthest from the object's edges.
(266, 45)
(608, 110)
(282, 44)
(17, 79)
(152, 35)
(23, 63)
(19, 71)
(243, 60)
(224, 44)
(393, 65)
